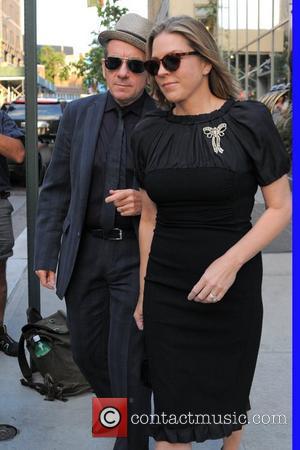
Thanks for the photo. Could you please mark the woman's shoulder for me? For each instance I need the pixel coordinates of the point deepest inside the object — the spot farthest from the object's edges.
(250, 112)
(151, 119)
(148, 124)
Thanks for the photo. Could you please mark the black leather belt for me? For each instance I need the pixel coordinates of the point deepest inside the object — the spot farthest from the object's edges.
(4, 194)
(116, 234)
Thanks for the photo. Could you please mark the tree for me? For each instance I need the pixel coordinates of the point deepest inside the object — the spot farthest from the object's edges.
(211, 20)
(54, 63)
(89, 66)
(208, 13)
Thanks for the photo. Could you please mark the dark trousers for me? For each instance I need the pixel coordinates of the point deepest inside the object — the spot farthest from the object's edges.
(106, 344)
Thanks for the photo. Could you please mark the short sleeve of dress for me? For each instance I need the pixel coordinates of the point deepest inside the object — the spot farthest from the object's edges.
(262, 141)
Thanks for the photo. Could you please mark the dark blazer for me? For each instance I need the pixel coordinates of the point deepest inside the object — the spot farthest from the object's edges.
(64, 195)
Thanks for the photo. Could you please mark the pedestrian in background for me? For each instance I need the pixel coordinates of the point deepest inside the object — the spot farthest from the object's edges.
(11, 146)
(199, 165)
(88, 214)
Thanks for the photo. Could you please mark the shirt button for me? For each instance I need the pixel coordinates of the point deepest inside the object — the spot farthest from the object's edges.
(78, 234)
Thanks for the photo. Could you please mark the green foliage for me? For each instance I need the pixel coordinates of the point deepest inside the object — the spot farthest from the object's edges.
(89, 66)
(64, 73)
(110, 14)
(54, 63)
(210, 12)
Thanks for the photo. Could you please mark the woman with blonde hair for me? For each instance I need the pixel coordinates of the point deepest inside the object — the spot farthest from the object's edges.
(199, 164)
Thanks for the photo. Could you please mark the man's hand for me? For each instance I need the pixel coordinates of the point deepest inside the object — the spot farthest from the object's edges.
(47, 278)
(128, 202)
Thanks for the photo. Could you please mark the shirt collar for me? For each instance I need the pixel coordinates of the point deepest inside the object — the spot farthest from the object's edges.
(136, 107)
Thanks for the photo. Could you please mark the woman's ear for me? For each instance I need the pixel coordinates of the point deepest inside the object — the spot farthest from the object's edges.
(207, 68)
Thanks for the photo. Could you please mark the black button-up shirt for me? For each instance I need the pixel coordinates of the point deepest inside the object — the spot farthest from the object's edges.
(131, 115)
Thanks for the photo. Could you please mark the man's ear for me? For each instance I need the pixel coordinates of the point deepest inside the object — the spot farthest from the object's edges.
(103, 70)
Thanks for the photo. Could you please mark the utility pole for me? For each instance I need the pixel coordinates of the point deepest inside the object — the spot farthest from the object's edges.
(31, 144)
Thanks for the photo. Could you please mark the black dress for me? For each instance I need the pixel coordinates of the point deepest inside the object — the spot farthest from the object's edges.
(202, 172)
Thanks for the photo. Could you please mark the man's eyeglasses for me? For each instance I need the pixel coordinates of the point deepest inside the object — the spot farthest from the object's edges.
(134, 65)
(171, 62)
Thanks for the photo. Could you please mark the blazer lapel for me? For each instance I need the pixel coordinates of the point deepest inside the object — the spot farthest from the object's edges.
(91, 123)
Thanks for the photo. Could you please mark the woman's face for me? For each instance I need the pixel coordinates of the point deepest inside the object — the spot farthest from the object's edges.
(189, 79)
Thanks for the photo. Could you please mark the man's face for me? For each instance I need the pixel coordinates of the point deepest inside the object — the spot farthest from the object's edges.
(124, 85)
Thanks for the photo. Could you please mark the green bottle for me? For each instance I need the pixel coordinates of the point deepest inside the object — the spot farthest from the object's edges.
(41, 348)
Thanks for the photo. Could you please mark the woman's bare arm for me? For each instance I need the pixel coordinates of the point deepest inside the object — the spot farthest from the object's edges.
(146, 229)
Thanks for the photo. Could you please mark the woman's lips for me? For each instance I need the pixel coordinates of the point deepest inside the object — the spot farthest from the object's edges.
(169, 84)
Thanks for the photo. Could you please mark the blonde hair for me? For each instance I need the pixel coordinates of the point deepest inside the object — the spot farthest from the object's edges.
(221, 82)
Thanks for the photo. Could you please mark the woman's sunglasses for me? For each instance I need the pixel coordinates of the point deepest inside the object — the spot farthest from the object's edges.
(171, 62)
(134, 65)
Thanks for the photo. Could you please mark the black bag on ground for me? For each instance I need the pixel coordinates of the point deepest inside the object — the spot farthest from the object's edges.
(61, 376)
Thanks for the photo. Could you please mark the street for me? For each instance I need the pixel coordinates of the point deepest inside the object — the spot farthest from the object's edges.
(18, 200)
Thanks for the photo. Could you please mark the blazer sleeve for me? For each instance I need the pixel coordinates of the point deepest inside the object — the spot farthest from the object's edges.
(54, 198)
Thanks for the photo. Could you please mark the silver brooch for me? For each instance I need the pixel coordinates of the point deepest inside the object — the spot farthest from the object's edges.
(215, 134)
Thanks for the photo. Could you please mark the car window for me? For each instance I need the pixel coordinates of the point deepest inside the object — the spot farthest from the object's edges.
(50, 112)
(16, 111)
(45, 111)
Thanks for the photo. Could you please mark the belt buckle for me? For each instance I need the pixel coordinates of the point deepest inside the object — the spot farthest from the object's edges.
(118, 238)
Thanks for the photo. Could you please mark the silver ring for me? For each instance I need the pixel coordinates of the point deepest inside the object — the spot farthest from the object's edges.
(213, 298)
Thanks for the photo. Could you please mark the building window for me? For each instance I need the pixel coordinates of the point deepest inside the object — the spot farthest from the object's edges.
(11, 38)
(254, 37)
(4, 29)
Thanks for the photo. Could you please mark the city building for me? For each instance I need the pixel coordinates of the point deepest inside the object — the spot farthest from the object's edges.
(65, 49)
(159, 10)
(11, 50)
(11, 42)
(72, 87)
(254, 37)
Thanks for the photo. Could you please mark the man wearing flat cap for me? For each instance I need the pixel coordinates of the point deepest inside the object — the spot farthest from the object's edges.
(87, 222)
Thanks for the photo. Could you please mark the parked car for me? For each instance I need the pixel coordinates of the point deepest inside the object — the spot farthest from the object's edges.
(49, 114)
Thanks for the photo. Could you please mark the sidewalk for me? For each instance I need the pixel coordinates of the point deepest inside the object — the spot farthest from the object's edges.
(67, 426)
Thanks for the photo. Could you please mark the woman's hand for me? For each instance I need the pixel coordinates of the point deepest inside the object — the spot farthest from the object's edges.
(138, 313)
(215, 281)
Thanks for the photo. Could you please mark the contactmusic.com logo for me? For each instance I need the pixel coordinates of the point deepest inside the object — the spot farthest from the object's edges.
(109, 417)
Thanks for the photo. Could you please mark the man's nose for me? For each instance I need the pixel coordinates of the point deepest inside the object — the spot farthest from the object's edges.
(123, 70)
